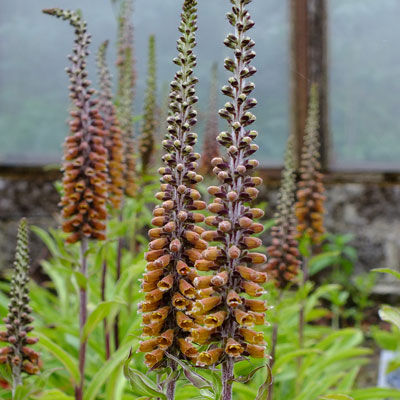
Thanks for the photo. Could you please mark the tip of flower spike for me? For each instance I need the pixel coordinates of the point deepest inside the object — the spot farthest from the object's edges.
(50, 11)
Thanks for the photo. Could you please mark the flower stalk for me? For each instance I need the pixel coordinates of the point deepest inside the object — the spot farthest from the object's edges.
(150, 107)
(18, 354)
(85, 180)
(210, 150)
(230, 337)
(175, 240)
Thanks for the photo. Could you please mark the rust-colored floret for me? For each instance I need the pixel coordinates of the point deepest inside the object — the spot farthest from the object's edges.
(176, 241)
(18, 323)
(235, 264)
(310, 197)
(85, 156)
(284, 262)
(113, 140)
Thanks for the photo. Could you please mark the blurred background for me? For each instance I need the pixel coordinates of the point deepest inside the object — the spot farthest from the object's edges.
(349, 47)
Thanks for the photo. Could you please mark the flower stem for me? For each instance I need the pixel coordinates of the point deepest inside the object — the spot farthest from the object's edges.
(82, 321)
(302, 321)
(227, 379)
(117, 277)
(103, 298)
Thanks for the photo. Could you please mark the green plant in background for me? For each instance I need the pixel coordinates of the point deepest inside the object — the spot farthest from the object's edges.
(18, 356)
(149, 126)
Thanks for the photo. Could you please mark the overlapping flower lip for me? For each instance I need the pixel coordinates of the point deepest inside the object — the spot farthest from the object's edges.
(170, 293)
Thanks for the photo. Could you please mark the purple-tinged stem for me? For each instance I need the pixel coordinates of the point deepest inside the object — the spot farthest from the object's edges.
(117, 277)
(103, 298)
(227, 379)
(82, 321)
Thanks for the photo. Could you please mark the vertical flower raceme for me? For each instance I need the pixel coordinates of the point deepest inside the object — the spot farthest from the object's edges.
(210, 150)
(126, 92)
(85, 157)
(150, 107)
(228, 313)
(113, 139)
(310, 197)
(175, 241)
(18, 353)
(283, 264)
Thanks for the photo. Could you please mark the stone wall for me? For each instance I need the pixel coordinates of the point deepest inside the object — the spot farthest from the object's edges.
(371, 211)
(30, 196)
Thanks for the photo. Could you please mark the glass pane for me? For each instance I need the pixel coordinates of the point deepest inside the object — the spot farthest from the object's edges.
(365, 83)
(33, 50)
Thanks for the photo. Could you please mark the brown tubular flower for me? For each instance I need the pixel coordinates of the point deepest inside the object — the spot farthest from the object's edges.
(18, 353)
(210, 150)
(234, 219)
(150, 106)
(283, 265)
(310, 198)
(126, 93)
(85, 157)
(175, 241)
(113, 140)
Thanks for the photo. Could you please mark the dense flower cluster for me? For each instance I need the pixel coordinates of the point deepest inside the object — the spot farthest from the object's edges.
(113, 140)
(284, 262)
(310, 197)
(126, 92)
(150, 108)
(227, 313)
(175, 241)
(210, 149)
(85, 156)
(18, 354)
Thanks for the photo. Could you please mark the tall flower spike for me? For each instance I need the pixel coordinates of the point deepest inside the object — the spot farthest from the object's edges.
(113, 140)
(175, 241)
(18, 353)
(150, 107)
(85, 157)
(210, 150)
(310, 197)
(284, 262)
(126, 93)
(235, 221)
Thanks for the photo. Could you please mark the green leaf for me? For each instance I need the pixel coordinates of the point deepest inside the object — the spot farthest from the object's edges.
(140, 383)
(97, 315)
(281, 361)
(336, 397)
(195, 378)
(322, 261)
(390, 314)
(5, 372)
(249, 377)
(102, 375)
(53, 394)
(375, 393)
(70, 363)
(387, 271)
(264, 389)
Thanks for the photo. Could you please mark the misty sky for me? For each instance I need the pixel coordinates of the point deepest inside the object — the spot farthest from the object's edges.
(364, 75)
